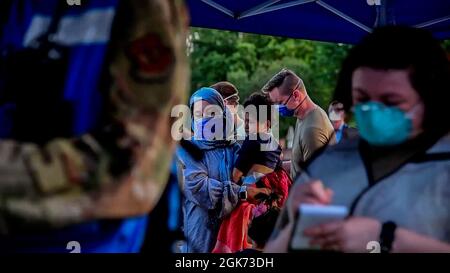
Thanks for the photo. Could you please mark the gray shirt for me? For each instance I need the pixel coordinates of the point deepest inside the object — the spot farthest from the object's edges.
(416, 196)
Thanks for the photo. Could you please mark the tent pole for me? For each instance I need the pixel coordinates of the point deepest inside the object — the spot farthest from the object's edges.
(219, 7)
(343, 16)
(255, 10)
(382, 14)
(433, 22)
(271, 7)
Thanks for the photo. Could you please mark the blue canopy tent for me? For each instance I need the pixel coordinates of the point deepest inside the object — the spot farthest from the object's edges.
(342, 21)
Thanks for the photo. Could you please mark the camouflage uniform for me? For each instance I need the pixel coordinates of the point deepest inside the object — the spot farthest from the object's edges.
(121, 170)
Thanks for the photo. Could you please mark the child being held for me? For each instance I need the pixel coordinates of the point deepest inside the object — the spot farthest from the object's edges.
(260, 153)
(258, 166)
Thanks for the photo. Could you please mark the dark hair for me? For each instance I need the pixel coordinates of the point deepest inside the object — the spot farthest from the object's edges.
(262, 226)
(397, 47)
(286, 80)
(225, 89)
(258, 99)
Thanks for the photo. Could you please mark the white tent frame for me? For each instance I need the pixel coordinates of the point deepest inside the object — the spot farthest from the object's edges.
(272, 5)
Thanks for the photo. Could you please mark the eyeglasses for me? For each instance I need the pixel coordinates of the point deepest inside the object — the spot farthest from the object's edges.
(292, 93)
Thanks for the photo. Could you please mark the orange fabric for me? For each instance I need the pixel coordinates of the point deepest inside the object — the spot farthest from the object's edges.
(232, 236)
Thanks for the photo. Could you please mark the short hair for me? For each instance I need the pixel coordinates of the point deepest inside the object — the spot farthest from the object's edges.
(285, 80)
(225, 89)
(259, 99)
(404, 48)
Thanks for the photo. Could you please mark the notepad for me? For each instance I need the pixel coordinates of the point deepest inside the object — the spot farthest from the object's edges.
(313, 215)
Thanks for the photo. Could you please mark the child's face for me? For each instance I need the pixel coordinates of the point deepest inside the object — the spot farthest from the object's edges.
(254, 126)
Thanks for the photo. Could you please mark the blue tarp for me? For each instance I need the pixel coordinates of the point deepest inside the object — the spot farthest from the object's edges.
(344, 21)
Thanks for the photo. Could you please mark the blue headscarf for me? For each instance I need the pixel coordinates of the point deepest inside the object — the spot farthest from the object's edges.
(213, 97)
(209, 95)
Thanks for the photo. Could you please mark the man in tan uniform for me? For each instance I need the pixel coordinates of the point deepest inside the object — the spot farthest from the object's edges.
(313, 129)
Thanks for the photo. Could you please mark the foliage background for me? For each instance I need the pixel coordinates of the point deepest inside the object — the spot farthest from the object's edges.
(249, 61)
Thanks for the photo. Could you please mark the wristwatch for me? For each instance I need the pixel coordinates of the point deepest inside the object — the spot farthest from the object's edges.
(387, 236)
(243, 193)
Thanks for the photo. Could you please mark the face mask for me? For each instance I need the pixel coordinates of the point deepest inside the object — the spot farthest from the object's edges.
(205, 128)
(235, 97)
(234, 106)
(334, 116)
(381, 125)
(240, 131)
(284, 110)
(230, 111)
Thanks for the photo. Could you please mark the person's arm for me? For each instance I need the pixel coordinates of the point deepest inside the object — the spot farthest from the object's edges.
(304, 191)
(245, 157)
(205, 191)
(286, 165)
(237, 175)
(121, 170)
(408, 241)
(313, 139)
(258, 168)
(354, 234)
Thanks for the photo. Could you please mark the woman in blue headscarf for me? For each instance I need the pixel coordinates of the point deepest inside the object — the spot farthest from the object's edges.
(206, 163)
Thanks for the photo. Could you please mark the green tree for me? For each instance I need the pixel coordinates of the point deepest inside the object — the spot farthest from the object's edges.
(249, 61)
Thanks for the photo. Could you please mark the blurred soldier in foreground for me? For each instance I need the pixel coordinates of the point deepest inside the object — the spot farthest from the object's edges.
(85, 100)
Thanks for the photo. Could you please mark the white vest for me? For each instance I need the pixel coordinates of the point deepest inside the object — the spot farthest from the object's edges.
(415, 197)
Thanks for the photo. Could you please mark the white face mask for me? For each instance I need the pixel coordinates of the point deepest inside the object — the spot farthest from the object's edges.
(232, 96)
(335, 116)
(232, 108)
(252, 178)
(240, 131)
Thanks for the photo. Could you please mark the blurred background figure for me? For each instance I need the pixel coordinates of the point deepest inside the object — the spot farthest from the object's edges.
(86, 93)
(164, 230)
(338, 118)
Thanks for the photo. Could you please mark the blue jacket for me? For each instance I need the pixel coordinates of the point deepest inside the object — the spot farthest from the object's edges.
(209, 195)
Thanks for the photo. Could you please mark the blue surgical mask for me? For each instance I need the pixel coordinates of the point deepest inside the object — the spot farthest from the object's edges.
(199, 126)
(205, 128)
(284, 111)
(381, 125)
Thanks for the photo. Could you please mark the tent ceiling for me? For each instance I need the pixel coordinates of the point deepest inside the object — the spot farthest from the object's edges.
(325, 20)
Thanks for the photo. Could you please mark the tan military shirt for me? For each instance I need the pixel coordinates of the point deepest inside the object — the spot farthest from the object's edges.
(311, 134)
